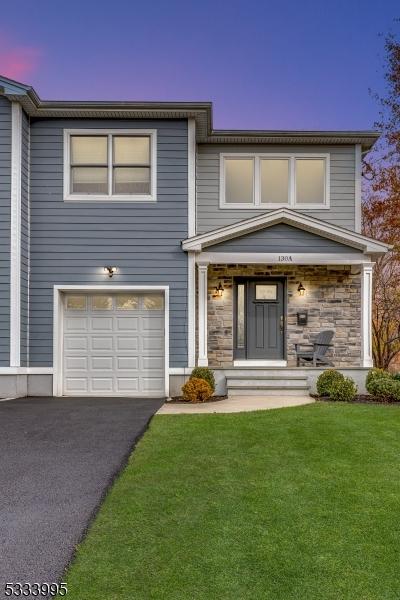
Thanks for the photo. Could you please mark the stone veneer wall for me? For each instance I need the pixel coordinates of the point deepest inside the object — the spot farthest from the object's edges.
(332, 298)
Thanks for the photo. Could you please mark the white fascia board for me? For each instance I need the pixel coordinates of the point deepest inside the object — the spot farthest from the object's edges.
(282, 259)
(290, 217)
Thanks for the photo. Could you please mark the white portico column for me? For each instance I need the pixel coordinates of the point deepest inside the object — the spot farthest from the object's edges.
(202, 359)
(366, 315)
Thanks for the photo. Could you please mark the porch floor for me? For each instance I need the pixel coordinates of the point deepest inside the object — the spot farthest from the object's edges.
(236, 404)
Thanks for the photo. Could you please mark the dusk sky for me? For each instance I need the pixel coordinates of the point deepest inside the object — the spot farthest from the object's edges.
(266, 65)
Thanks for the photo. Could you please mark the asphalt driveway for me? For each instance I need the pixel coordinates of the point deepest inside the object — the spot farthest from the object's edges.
(57, 458)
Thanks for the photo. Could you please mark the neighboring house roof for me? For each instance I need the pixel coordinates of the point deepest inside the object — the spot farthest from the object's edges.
(289, 217)
(200, 111)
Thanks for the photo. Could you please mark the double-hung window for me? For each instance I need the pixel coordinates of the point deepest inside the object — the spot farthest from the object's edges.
(274, 180)
(117, 165)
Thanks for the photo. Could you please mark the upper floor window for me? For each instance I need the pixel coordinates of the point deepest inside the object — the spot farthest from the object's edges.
(272, 181)
(106, 165)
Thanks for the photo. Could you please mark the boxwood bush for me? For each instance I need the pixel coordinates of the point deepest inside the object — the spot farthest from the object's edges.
(206, 374)
(326, 381)
(386, 389)
(375, 375)
(343, 390)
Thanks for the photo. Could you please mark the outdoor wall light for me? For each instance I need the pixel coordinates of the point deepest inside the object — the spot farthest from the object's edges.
(110, 270)
(219, 291)
(301, 289)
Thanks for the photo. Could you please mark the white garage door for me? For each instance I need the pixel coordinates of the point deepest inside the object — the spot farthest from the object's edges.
(113, 344)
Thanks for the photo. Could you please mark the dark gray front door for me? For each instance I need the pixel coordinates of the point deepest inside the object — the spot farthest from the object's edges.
(265, 327)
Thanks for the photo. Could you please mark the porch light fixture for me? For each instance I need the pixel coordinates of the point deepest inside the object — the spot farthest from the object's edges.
(110, 270)
(301, 289)
(219, 291)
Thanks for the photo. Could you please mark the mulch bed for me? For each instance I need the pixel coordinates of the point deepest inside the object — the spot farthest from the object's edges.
(360, 399)
(180, 400)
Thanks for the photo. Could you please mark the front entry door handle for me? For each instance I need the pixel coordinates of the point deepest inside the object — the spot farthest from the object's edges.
(281, 323)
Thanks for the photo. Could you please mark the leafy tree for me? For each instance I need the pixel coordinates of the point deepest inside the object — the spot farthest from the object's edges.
(381, 212)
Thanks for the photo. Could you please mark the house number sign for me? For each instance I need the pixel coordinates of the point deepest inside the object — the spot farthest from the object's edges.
(285, 258)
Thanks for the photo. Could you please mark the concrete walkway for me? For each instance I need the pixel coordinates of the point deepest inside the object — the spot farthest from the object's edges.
(235, 405)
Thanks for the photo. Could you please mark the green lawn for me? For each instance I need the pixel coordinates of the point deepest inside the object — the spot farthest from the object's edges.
(300, 503)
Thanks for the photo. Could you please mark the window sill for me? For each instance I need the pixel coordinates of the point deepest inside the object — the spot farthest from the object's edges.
(110, 199)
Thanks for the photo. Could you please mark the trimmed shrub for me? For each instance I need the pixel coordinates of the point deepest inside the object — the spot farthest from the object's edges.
(386, 389)
(206, 374)
(326, 381)
(396, 376)
(196, 390)
(374, 375)
(343, 390)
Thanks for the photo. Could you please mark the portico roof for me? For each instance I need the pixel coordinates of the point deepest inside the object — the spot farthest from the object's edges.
(201, 242)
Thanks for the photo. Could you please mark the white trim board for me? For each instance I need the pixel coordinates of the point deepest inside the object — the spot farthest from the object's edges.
(281, 259)
(191, 177)
(289, 217)
(15, 243)
(357, 188)
(152, 197)
(26, 370)
(58, 324)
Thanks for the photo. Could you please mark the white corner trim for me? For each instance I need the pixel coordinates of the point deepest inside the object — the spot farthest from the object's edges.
(58, 325)
(203, 296)
(191, 177)
(191, 326)
(110, 197)
(366, 315)
(290, 217)
(15, 244)
(357, 188)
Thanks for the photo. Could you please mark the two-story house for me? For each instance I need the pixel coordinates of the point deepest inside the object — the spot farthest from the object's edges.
(138, 242)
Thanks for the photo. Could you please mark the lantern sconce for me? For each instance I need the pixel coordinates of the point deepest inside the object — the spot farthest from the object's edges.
(218, 291)
(110, 271)
(301, 289)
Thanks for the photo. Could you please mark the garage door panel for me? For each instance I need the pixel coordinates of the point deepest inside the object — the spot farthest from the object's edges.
(127, 362)
(72, 343)
(76, 363)
(76, 324)
(115, 347)
(127, 384)
(102, 343)
(152, 362)
(150, 344)
(152, 323)
(101, 363)
(76, 384)
(152, 384)
(101, 324)
(127, 342)
(130, 324)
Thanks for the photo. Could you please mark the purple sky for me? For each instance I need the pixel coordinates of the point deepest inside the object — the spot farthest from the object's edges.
(265, 64)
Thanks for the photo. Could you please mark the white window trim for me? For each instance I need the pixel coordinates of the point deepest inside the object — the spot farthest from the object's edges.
(58, 312)
(152, 197)
(257, 204)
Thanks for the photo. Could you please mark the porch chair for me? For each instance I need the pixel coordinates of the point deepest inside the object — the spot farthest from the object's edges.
(316, 356)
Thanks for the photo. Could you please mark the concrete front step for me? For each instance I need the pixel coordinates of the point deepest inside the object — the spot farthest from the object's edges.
(267, 391)
(274, 380)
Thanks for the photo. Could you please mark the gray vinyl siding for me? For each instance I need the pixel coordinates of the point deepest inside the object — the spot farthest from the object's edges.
(282, 239)
(71, 242)
(342, 185)
(24, 240)
(5, 222)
